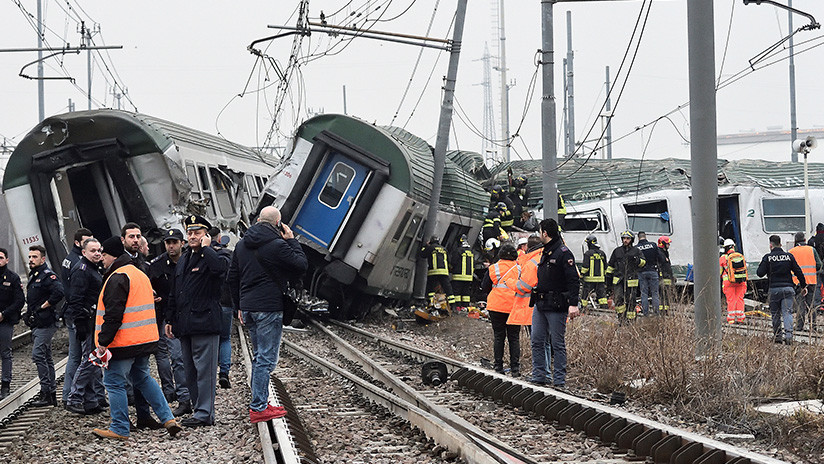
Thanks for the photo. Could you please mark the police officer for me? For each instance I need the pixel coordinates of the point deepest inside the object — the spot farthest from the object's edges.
(554, 297)
(463, 270)
(648, 276)
(194, 316)
(437, 270)
(11, 302)
(780, 266)
(43, 292)
(74, 344)
(224, 357)
(622, 273)
(667, 280)
(593, 271)
(81, 305)
(169, 367)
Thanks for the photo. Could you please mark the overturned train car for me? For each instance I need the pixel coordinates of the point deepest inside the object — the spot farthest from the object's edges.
(100, 169)
(357, 196)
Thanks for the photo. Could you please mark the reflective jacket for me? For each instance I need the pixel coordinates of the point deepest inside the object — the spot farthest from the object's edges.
(624, 264)
(501, 298)
(125, 321)
(463, 265)
(523, 284)
(807, 258)
(665, 269)
(726, 271)
(593, 268)
(436, 261)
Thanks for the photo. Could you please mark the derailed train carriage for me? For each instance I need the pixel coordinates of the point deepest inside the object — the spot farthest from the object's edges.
(100, 169)
(756, 199)
(357, 196)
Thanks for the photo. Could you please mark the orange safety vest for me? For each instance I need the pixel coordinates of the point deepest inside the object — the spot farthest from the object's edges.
(139, 325)
(523, 284)
(501, 298)
(805, 258)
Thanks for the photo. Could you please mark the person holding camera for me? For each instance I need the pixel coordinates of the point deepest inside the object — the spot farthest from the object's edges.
(43, 292)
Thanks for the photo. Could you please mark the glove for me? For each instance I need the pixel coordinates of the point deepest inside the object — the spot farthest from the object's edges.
(28, 319)
(100, 357)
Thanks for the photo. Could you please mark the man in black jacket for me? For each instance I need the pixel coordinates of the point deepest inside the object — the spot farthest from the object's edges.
(65, 274)
(85, 284)
(781, 265)
(11, 302)
(263, 262)
(194, 316)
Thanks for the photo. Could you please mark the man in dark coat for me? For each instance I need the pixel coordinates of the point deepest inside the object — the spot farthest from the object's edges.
(11, 302)
(194, 316)
(263, 262)
(74, 344)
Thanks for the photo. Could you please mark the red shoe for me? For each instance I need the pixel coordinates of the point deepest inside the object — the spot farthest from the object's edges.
(269, 407)
(265, 415)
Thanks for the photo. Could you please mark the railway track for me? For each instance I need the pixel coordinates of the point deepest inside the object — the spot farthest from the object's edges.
(629, 435)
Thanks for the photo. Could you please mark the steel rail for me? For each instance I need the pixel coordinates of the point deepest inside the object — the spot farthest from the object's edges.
(21, 340)
(431, 425)
(19, 398)
(498, 449)
(630, 433)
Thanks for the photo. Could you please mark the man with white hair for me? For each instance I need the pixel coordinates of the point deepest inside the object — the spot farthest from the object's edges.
(264, 260)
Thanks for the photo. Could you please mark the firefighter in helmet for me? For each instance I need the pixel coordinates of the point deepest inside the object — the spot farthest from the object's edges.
(622, 272)
(437, 270)
(734, 281)
(667, 280)
(593, 272)
(463, 271)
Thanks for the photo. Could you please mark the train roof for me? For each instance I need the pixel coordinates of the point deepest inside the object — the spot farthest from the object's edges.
(598, 179)
(139, 133)
(410, 159)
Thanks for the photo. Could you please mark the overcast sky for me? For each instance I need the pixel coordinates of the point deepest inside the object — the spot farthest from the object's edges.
(187, 62)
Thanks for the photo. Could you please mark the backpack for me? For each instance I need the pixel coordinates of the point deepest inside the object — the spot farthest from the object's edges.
(736, 268)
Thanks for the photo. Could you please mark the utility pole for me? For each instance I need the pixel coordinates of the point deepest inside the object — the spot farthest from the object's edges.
(41, 93)
(117, 95)
(608, 108)
(704, 162)
(71, 106)
(487, 146)
(549, 152)
(504, 84)
(793, 122)
(442, 139)
(344, 100)
(564, 110)
(570, 85)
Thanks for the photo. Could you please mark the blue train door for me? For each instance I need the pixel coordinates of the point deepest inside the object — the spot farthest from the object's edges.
(330, 199)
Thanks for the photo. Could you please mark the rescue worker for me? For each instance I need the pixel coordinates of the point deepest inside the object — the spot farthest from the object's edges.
(492, 230)
(74, 356)
(518, 194)
(123, 348)
(561, 211)
(648, 276)
(779, 266)
(11, 302)
(499, 302)
(463, 269)
(498, 195)
(194, 316)
(622, 274)
(85, 284)
(507, 219)
(667, 277)
(43, 292)
(734, 281)
(523, 284)
(593, 272)
(817, 242)
(555, 297)
(437, 270)
(810, 263)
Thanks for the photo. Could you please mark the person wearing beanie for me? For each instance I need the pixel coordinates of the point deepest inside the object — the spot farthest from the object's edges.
(810, 262)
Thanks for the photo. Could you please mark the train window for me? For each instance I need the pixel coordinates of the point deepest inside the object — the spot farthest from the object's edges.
(783, 214)
(206, 189)
(401, 226)
(223, 192)
(251, 187)
(403, 246)
(586, 221)
(652, 216)
(336, 185)
(260, 183)
(191, 174)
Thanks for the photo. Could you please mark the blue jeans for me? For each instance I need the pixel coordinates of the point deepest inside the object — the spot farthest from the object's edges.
(552, 324)
(224, 356)
(114, 378)
(41, 354)
(86, 379)
(781, 306)
(73, 361)
(648, 280)
(265, 329)
(163, 362)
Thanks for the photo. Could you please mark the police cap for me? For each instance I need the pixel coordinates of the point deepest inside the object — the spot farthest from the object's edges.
(195, 222)
(173, 234)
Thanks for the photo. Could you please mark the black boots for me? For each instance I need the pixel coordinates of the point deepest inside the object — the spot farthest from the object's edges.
(45, 399)
(183, 407)
(5, 390)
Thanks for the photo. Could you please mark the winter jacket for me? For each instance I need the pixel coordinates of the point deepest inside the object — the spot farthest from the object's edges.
(11, 296)
(194, 297)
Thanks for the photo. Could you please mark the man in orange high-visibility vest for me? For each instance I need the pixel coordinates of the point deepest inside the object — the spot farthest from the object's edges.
(734, 282)
(807, 257)
(126, 333)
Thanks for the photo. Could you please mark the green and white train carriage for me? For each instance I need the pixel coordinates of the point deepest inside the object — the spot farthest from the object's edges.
(357, 196)
(100, 169)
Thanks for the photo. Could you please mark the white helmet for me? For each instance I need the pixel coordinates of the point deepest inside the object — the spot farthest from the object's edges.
(729, 243)
(492, 243)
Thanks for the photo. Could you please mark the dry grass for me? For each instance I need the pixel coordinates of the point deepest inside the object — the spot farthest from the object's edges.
(721, 388)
